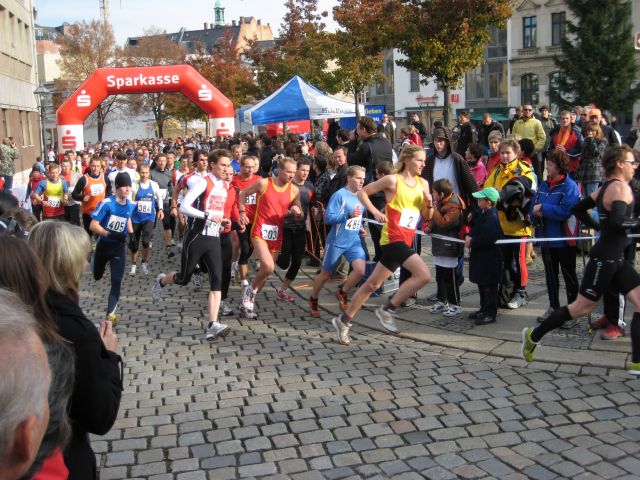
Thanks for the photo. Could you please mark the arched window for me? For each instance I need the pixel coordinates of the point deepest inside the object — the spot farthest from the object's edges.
(529, 89)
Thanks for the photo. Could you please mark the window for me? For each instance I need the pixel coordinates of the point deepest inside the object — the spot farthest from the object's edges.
(497, 46)
(475, 83)
(529, 32)
(414, 82)
(558, 23)
(529, 89)
(497, 80)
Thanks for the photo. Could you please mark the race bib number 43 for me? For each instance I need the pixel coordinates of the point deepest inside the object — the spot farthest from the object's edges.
(353, 223)
(409, 218)
(269, 232)
(116, 224)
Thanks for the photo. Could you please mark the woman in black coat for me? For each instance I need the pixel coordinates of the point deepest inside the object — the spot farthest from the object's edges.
(63, 249)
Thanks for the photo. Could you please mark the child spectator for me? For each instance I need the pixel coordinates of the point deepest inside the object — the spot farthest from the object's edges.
(494, 139)
(473, 155)
(485, 259)
(527, 149)
(447, 220)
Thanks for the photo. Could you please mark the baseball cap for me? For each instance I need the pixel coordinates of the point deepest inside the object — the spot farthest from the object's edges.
(489, 193)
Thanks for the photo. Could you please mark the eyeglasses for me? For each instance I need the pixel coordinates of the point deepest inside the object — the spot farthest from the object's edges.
(633, 163)
(528, 109)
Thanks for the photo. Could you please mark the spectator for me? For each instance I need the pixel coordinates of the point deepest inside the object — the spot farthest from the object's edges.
(567, 138)
(474, 156)
(633, 139)
(488, 126)
(464, 133)
(493, 159)
(9, 153)
(387, 128)
(318, 229)
(589, 171)
(530, 127)
(422, 130)
(608, 133)
(548, 124)
(517, 116)
(332, 133)
(267, 156)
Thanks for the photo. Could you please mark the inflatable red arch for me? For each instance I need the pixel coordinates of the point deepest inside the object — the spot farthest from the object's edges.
(114, 81)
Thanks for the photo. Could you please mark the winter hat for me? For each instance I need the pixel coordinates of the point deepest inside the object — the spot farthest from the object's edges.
(122, 180)
(494, 135)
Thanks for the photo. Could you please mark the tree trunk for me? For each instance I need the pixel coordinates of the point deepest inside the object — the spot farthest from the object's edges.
(356, 94)
(160, 124)
(100, 122)
(447, 104)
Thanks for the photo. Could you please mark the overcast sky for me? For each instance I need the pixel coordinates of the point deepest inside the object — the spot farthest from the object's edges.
(131, 17)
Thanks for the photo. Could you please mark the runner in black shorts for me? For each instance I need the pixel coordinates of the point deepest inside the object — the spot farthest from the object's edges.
(606, 267)
(395, 254)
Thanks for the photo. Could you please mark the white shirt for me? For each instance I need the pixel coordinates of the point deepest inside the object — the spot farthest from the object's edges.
(445, 168)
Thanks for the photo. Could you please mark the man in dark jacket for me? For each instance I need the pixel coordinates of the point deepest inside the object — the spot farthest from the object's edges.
(266, 157)
(488, 126)
(332, 131)
(464, 133)
(375, 148)
(339, 180)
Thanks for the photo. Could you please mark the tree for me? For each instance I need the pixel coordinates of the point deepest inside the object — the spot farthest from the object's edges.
(442, 39)
(153, 48)
(598, 57)
(88, 46)
(367, 28)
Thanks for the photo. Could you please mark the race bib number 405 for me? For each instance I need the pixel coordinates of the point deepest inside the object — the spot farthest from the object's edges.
(269, 232)
(353, 223)
(116, 224)
(409, 218)
(144, 206)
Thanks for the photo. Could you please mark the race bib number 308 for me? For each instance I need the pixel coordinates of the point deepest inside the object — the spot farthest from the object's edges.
(269, 232)
(116, 224)
(409, 218)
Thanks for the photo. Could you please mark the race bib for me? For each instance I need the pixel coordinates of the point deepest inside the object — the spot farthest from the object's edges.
(145, 206)
(250, 200)
(116, 224)
(212, 230)
(97, 190)
(353, 223)
(54, 202)
(162, 193)
(409, 218)
(269, 232)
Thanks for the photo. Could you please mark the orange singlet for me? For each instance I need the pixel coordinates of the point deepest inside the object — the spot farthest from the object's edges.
(271, 207)
(250, 202)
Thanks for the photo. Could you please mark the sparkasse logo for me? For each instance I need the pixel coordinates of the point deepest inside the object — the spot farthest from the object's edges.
(142, 80)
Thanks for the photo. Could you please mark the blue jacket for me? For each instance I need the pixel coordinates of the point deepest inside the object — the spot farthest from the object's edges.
(557, 203)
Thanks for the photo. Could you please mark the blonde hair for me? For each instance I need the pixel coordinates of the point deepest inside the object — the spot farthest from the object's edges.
(511, 143)
(284, 160)
(63, 249)
(407, 153)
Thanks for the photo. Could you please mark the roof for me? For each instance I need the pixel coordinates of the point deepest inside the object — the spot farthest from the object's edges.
(190, 39)
(46, 46)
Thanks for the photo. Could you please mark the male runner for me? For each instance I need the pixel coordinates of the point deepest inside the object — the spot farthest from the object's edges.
(148, 200)
(120, 166)
(111, 221)
(52, 192)
(276, 197)
(90, 190)
(344, 213)
(71, 207)
(163, 177)
(204, 205)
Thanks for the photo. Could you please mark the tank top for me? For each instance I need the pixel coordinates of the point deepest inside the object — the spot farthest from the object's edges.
(95, 189)
(250, 202)
(145, 204)
(211, 201)
(610, 245)
(54, 195)
(231, 207)
(271, 207)
(306, 197)
(403, 213)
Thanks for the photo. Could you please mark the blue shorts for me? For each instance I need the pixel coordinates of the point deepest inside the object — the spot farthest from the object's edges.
(332, 255)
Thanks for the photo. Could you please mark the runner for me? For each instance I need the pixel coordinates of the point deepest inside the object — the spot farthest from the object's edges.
(120, 166)
(227, 238)
(90, 190)
(163, 177)
(179, 190)
(71, 207)
(246, 177)
(344, 213)
(111, 221)
(52, 193)
(204, 205)
(148, 200)
(275, 198)
(408, 197)
(606, 267)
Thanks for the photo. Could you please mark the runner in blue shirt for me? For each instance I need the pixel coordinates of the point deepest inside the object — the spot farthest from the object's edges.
(111, 221)
(344, 213)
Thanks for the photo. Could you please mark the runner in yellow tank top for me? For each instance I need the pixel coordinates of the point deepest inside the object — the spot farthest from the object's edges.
(408, 199)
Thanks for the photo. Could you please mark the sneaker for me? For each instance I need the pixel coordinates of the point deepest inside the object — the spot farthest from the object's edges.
(156, 290)
(438, 307)
(484, 319)
(410, 301)
(216, 330)
(387, 319)
(633, 368)
(545, 315)
(170, 251)
(433, 298)
(244, 283)
(602, 322)
(247, 298)
(612, 332)
(145, 268)
(281, 295)
(313, 307)
(197, 282)
(528, 345)
(342, 329)
(452, 310)
(342, 299)
(113, 318)
(179, 245)
(474, 315)
(132, 272)
(225, 309)
(234, 270)
(244, 313)
(518, 300)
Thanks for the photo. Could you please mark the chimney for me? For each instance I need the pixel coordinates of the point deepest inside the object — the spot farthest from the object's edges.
(205, 25)
(259, 22)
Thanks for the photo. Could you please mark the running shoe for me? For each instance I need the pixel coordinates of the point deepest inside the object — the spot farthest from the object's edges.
(545, 315)
(156, 290)
(132, 272)
(145, 268)
(452, 310)
(433, 297)
(612, 332)
(474, 315)
(197, 282)
(216, 330)
(170, 251)
(602, 322)
(342, 299)
(410, 301)
(281, 295)
(484, 319)
(519, 299)
(245, 313)
(439, 307)
(247, 298)
(342, 329)
(234, 271)
(225, 309)
(633, 368)
(113, 318)
(528, 345)
(387, 319)
(314, 310)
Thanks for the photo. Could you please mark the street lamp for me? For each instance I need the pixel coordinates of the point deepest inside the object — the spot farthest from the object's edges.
(42, 92)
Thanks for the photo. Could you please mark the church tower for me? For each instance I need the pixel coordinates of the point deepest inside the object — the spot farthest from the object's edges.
(219, 9)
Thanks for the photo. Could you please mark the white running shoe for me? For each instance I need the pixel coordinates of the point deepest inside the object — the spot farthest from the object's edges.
(452, 310)
(145, 268)
(225, 309)
(387, 319)
(156, 290)
(234, 270)
(197, 282)
(250, 314)
(132, 272)
(438, 307)
(248, 296)
(342, 329)
(216, 330)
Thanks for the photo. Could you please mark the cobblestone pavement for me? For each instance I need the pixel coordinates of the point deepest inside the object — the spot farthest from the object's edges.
(279, 398)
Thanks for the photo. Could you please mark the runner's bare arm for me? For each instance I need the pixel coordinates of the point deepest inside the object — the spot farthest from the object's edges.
(426, 208)
(386, 184)
(296, 206)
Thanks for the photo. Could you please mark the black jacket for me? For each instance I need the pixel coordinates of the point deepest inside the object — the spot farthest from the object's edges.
(98, 384)
(485, 130)
(372, 150)
(466, 182)
(485, 258)
(338, 181)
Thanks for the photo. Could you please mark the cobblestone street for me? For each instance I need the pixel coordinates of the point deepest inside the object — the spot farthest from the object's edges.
(279, 398)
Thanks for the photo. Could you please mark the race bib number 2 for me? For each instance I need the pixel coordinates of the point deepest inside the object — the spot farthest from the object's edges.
(116, 224)
(269, 232)
(409, 218)
(353, 224)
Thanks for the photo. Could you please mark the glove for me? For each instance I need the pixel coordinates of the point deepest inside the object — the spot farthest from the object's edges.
(134, 245)
(118, 236)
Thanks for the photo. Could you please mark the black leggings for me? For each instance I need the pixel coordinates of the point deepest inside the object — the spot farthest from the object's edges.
(489, 299)
(226, 252)
(554, 260)
(245, 245)
(293, 246)
(611, 299)
(205, 250)
(114, 254)
(448, 290)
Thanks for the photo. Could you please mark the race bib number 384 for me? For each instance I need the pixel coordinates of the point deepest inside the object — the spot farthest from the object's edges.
(269, 232)
(116, 224)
